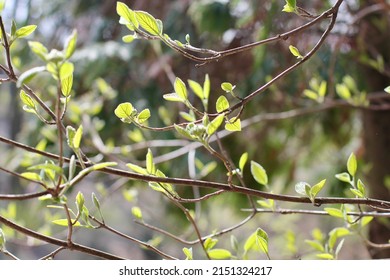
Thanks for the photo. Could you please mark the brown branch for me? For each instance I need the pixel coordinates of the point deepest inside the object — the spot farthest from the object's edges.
(58, 242)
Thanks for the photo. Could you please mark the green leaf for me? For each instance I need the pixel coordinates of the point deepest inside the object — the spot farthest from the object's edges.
(335, 234)
(180, 89)
(310, 94)
(77, 137)
(25, 77)
(80, 201)
(187, 116)
(322, 89)
(357, 192)
(316, 245)
(215, 124)
(66, 85)
(128, 38)
(290, 6)
(334, 212)
(262, 240)
(66, 70)
(343, 91)
(64, 222)
(219, 254)
(317, 188)
(344, 177)
(39, 49)
(295, 52)
(387, 89)
(243, 160)
(126, 13)
(196, 88)
(27, 100)
(70, 133)
(31, 176)
(101, 165)
(222, 104)
(95, 201)
(182, 131)
(361, 187)
(233, 124)
(47, 166)
(143, 116)
(206, 87)
(124, 110)
(269, 203)
(2, 6)
(172, 97)
(148, 23)
(137, 213)
(352, 164)
(188, 253)
(209, 243)
(259, 173)
(70, 44)
(137, 169)
(325, 256)
(25, 31)
(150, 167)
(228, 87)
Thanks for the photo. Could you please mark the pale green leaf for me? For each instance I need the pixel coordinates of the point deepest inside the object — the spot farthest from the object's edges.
(357, 192)
(180, 89)
(228, 87)
(70, 44)
(77, 137)
(128, 38)
(150, 167)
(27, 100)
(259, 173)
(387, 89)
(102, 165)
(196, 88)
(148, 23)
(70, 133)
(66, 70)
(310, 94)
(124, 110)
(344, 177)
(301, 188)
(352, 164)
(66, 85)
(143, 116)
(322, 89)
(137, 213)
(222, 104)
(215, 124)
(343, 91)
(233, 124)
(127, 14)
(219, 254)
(366, 220)
(173, 97)
(335, 234)
(188, 253)
(206, 87)
(209, 243)
(361, 187)
(2, 241)
(80, 200)
(317, 188)
(316, 245)
(182, 131)
(262, 240)
(25, 31)
(243, 160)
(137, 168)
(64, 222)
(39, 49)
(295, 52)
(334, 212)
(31, 176)
(325, 256)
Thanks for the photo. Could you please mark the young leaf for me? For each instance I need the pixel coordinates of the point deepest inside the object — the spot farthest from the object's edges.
(366, 220)
(150, 167)
(137, 213)
(196, 88)
(128, 38)
(66, 85)
(234, 124)
(206, 87)
(325, 256)
(227, 87)
(343, 91)
(303, 188)
(322, 89)
(173, 97)
(126, 13)
(215, 124)
(290, 6)
(387, 89)
(334, 212)
(316, 245)
(31, 176)
(219, 254)
(335, 234)
(243, 160)
(124, 110)
(222, 104)
(137, 169)
(143, 116)
(259, 173)
(210, 243)
(310, 94)
(180, 89)
(25, 31)
(357, 192)
(29, 74)
(27, 100)
(344, 177)
(77, 137)
(70, 44)
(95, 201)
(70, 133)
(361, 187)
(66, 70)
(317, 188)
(295, 52)
(80, 201)
(64, 222)
(188, 253)
(262, 240)
(352, 164)
(148, 23)
(182, 131)
(39, 49)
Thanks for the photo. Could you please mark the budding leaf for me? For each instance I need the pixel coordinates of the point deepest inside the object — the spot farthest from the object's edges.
(222, 104)
(295, 52)
(352, 164)
(148, 23)
(259, 173)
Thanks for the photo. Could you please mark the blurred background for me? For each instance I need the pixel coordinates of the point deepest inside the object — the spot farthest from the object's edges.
(307, 148)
